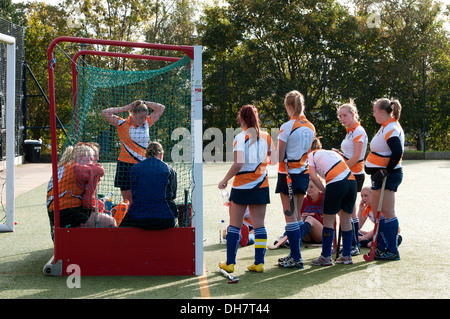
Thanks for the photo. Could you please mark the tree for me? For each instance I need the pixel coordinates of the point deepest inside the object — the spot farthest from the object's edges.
(256, 51)
(411, 33)
(273, 47)
(12, 12)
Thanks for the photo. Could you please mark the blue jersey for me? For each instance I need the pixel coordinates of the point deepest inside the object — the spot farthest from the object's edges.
(153, 189)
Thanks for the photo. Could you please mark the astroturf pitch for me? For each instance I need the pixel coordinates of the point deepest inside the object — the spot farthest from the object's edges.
(422, 206)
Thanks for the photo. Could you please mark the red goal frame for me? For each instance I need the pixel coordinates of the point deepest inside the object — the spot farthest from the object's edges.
(125, 251)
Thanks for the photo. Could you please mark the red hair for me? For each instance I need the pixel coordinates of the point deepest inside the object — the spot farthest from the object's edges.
(249, 115)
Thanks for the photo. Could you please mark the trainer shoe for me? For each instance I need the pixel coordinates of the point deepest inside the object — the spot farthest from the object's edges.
(378, 253)
(284, 259)
(344, 260)
(228, 268)
(322, 261)
(355, 250)
(290, 262)
(387, 255)
(256, 268)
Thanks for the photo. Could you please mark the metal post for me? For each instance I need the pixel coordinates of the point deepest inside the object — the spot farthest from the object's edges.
(424, 106)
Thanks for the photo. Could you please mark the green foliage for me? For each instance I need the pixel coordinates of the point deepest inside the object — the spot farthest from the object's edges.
(257, 51)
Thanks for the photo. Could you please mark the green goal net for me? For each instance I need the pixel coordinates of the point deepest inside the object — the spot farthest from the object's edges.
(99, 89)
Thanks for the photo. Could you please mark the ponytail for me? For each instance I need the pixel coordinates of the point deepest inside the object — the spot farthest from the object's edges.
(249, 115)
(391, 107)
(396, 109)
(316, 144)
(295, 99)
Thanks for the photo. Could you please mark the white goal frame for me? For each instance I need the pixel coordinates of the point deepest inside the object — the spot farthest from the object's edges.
(8, 226)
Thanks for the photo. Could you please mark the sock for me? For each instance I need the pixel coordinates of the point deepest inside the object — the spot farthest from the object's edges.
(347, 237)
(355, 224)
(251, 239)
(260, 245)
(381, 242)
(306, 229)
(294, 236)
(391, 231)
(300, 225)
(233, 238)
(327, 241)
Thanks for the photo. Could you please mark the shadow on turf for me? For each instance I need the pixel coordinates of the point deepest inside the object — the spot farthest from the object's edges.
(22, 277)
(275, 282)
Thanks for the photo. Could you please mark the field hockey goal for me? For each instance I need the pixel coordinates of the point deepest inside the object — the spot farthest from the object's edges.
(177, 84)
(9, 79)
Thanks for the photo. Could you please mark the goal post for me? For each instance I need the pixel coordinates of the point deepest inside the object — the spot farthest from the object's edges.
(98, 94)
(10, 42)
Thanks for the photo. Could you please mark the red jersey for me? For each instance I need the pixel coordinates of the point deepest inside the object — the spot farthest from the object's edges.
(313, 207)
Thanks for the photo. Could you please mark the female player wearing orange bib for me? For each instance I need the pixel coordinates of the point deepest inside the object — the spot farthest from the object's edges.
(134, 138)
(252, 152)
(294, 143)
(340, 196)
(353, 148)
(384, 160)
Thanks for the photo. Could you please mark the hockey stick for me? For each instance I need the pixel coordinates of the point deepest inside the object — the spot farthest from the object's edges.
(373, 246)
(231, 279)
(278, 244)
(186, 210)
(96, 208)
(290, 191)
(338, 243)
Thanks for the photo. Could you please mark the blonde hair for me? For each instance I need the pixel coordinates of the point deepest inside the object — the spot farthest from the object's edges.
(351, 107)
(138, 108)
(367, 188)
(295, 99)
(74, 154)
(316, 144)
(66, 157)
(391, 107)
(81, 151)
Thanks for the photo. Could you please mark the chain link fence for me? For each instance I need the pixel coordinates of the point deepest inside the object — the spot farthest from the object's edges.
(18, 32)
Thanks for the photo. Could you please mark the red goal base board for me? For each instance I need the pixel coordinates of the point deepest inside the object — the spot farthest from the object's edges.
(126, 251)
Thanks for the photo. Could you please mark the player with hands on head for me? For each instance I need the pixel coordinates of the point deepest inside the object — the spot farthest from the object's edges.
(134, 137)
(294, 142)
(252, 152)
(384, 160)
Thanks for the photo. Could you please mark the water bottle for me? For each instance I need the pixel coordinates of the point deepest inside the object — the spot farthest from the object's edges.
(225, 197)
(222, 232)
(108, 203)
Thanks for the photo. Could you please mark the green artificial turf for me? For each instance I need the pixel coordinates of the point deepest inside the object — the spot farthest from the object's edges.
(423, 271)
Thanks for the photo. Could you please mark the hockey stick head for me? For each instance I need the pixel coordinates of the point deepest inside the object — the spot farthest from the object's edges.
(288, 212)
(371, 255)
(231, 279)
